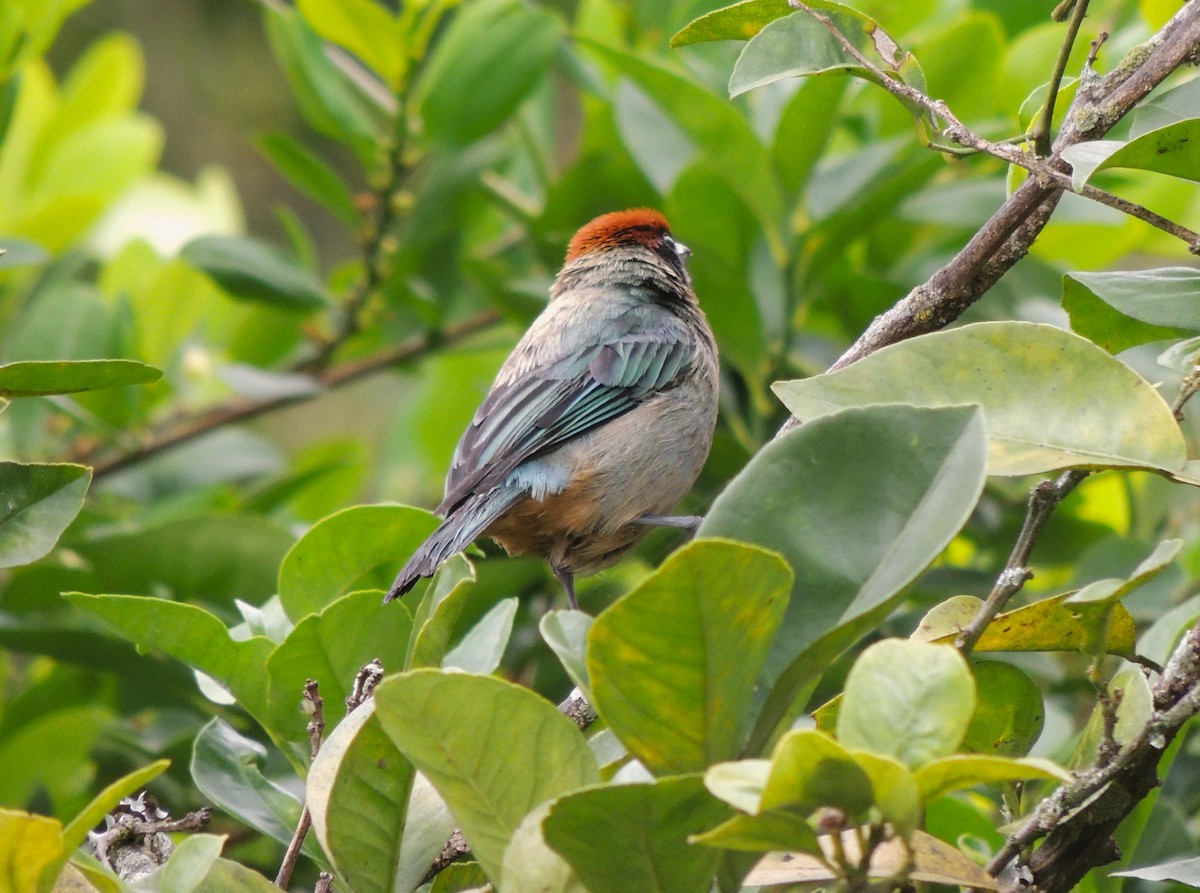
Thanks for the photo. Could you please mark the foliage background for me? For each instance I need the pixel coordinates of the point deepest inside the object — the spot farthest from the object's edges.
(811, 206)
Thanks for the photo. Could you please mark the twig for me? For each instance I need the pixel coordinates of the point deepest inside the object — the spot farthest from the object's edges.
(324, 883)
(1041, 133)
(316, 727)
(239, 410)
(365, 681)
(1187, 389)
(1044, 499)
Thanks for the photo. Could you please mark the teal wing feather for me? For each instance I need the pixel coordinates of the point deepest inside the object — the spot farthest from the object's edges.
(549, 406)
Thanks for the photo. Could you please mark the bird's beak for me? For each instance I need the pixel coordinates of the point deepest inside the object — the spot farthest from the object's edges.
(682, 251)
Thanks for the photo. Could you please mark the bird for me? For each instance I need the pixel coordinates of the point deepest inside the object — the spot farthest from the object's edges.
(599, 421)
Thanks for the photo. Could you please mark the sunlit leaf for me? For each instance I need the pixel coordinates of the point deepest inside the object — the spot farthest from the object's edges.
(39, 502)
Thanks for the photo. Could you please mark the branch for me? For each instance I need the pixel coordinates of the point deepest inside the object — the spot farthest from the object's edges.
(1044, 499)
(1100, 103)
(239, 409)
(1075, 839)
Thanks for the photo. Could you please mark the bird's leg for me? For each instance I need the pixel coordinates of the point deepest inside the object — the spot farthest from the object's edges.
(690, 523)
(567, 579)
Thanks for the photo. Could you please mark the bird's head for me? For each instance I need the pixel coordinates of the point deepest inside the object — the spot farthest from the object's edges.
(635, 228)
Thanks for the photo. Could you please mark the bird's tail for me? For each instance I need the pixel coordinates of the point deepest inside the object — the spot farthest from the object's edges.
(464, 524)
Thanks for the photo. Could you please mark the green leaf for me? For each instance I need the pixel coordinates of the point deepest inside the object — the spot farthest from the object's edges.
(226, 768)
(908, 700)
(1114, 331)
(438, 614)
(1009, 712)
(1113, 588)
(1100, 413)
(191, 635)
(724, 137)
(1125, 308)
(327, 561)
(530, 863)
(680, 703)
(799, 46)
(810, 770)
(566, 633)
(740, 783)
(28, 844)
(359, 790)
(1182, 357)
(39, 502)
(1169, 150)
(1129, 690)
(482, 648)
(330, 647)
(216, 558)
(52, 750)
(459, 730)
(741, 21)
(490, 58)
(188, 865)
(21, 253)
(813, 495)
(249, 270)
(648, 825)
(762, 833)
(42, 377)
(950, 773)
(895, 790)
(311, 175)
(226, 876)
(363, 27)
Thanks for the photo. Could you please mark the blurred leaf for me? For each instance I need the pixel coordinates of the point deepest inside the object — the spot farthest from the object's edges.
(227, 876)
(191, 635)
(1009, 712)
(311, 175)
(436, 720)
(530, 864)
(951, 773)
(226, 768)
(249, 270)
(188, 866)
(682, 703)
(28, 844)
(482, 648)
(323, 94)
(437, 616)
(741, 21)
(810, 770)
(215, 558)
(908, 700)
(338, 550)
(331, 647)
(812, 494)
(1114, 588)
(365, 28)
(1170, 150)
(1122, 309)
(52, 753)
(566, 633)
(1182, 357)
(489, 59)
(648, 825)
(1161, 109)
(39, 502)
(359, 789)
(1099, 414)
(21, 253)
(897, 797)
(38, 378)
(724, 137)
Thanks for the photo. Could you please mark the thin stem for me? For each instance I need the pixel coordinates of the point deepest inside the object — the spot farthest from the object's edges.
(316, 728)
(240, 409)
(1187, 389)
(1044, 499)
(1041, 133)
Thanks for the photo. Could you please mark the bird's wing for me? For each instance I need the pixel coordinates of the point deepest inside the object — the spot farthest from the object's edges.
(557, 401)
